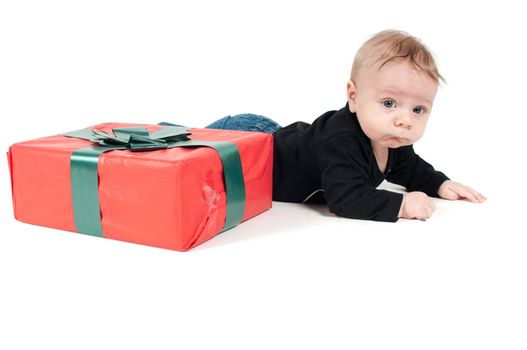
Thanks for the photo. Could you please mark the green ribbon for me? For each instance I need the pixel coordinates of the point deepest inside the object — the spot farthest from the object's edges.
(85, 180)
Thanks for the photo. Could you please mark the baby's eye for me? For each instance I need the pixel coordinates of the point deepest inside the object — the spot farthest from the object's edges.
(419, 110)
(389, 103)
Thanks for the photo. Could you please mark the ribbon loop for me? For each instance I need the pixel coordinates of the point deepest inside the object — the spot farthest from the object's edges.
(135, 138)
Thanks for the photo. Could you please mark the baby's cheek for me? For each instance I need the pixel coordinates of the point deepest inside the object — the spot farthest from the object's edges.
(419, 132)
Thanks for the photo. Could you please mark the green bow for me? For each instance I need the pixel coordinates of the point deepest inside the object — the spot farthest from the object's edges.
(84, 172)
(134, 138)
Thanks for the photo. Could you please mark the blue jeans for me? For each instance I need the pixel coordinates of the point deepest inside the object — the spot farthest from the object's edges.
(244, 122)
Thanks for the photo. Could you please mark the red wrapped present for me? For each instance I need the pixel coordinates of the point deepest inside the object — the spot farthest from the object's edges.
(168, 192)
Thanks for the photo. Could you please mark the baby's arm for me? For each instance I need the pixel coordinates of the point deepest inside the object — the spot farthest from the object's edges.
(421, 180)
(453, 190)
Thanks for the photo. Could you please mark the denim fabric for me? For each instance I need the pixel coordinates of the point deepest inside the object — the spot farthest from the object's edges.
(244, 122)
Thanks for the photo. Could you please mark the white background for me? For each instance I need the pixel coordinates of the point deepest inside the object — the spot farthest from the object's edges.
(295, 276)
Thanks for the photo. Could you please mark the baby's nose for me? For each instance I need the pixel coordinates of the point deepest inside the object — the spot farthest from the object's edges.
(403, 120)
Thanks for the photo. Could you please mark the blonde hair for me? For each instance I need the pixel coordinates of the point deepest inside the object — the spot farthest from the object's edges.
(389, 45)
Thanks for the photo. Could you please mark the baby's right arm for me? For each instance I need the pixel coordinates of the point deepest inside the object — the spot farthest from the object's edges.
(416, 205)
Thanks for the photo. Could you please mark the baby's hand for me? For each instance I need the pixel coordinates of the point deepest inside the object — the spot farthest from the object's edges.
(454, 191)
(416, 205)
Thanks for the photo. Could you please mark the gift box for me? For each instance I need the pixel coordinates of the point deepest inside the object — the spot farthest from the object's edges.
(161, 187)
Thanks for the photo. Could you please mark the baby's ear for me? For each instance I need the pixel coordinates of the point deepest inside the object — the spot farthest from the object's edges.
(351, 89)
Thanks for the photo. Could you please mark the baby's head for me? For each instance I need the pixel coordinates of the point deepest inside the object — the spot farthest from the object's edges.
(393, 84)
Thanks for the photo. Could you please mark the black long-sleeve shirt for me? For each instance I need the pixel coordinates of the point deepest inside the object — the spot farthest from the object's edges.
(333, 156)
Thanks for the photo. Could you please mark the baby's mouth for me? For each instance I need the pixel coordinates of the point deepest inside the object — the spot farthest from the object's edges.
(398, 140)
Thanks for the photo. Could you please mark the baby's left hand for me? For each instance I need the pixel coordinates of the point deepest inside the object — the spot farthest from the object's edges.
(453, 190)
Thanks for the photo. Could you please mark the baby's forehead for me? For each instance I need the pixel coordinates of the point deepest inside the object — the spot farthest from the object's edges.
(399, 78)
(401, 67)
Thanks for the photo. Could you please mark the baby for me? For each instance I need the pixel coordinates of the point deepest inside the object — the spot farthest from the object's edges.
(343, 156)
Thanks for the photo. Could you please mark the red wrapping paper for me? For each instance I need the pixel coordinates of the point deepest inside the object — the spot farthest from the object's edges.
(172, 198)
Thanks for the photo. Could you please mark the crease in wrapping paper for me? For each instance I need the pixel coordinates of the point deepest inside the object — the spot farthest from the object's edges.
(141, 175)
(211, 199)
